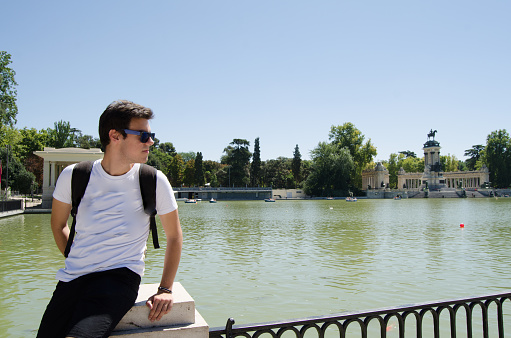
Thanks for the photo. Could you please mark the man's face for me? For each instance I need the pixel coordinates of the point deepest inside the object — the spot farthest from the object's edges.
(134, 150)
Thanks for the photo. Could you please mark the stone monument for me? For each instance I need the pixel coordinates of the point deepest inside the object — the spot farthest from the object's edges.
(432, 178)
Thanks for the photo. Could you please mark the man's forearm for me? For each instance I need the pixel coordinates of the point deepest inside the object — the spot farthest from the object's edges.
(171, 262)
(61, 235)
(59, 216)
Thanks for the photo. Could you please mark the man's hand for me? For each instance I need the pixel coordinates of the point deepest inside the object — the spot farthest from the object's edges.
(160, 304)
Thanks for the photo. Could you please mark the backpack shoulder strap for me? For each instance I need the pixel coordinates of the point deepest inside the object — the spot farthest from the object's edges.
(147, 181)
(79, 182)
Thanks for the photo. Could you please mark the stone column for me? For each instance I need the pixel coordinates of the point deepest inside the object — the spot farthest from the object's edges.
(52, 174)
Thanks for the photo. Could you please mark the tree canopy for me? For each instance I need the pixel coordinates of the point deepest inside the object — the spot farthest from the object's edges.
(8, 93)
(497, 156)
(296, 166)
(349, 137)
(237, 156)
(330, 171)
(474, 155)
(255, 166)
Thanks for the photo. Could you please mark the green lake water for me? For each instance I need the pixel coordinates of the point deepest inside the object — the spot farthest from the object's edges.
(259, 262)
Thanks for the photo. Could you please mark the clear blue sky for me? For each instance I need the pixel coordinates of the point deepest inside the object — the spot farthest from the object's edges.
(283, 71)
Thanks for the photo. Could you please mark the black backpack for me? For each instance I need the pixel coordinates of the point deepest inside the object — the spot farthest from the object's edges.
(147, 180)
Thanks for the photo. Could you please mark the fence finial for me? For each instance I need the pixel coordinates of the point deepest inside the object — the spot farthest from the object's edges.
(228, 328)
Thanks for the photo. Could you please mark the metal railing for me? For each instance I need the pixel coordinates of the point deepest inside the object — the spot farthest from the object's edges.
(421, 319)
(222, 189)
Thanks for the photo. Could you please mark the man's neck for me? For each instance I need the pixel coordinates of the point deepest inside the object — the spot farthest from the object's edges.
(115, 167)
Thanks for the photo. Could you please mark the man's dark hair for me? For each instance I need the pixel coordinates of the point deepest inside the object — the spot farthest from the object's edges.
(118, 116)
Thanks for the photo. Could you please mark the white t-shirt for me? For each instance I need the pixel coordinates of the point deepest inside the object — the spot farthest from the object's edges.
(111, 225)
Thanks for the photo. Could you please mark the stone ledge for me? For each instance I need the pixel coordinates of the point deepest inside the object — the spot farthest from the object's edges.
(199, 329)
(182, 313)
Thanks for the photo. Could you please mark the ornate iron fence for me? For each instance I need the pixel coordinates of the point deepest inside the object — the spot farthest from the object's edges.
(432, 318)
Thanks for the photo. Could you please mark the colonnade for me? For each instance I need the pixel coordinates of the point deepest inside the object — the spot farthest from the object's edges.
(412, 183)
(470, 182)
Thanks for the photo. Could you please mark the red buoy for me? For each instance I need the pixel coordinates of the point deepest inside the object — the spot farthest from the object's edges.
(462, 225)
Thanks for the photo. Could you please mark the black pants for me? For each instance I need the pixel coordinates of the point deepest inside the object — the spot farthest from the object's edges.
(91, 305)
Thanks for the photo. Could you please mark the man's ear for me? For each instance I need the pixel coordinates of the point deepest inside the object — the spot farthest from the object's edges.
(114, 135)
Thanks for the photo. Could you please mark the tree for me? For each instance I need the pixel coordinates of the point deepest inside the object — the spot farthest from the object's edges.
(190, 155)
(330, 171)
(211, 168)
(176, 168)
(255, 166)
(277, 173)
(349, 137)
(189, 173)
(32, 140)
(296, 165)
(10, 136)
(86, 141)
(449, 163)
(497, 156)
(393, 167)
(62, 135)
(8, 93)
(168, 148)
(159, 160)
(474, 155)
(412, 164)
(199, 170)
(408, 153)
(238, 156)
(19, 178)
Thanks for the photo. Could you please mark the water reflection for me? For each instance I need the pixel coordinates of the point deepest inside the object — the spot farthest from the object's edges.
(261, 261)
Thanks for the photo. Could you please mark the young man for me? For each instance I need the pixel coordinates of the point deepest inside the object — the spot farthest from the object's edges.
(102, 272)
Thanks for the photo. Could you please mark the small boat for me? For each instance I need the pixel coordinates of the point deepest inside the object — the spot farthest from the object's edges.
(191, 201)
(351, 199)
(397, 197)
(212, 200)
(269, 200)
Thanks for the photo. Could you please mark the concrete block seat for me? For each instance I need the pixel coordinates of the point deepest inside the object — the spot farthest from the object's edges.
(182, 321)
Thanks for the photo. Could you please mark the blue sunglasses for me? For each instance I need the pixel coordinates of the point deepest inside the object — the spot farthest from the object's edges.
(144, 135)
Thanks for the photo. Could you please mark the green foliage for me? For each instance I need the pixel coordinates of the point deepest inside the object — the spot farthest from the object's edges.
(408, 153)
(187, 156)
(362, 153)
(211, 169)
(296, 165)
(412, 164)
(409, 164)
(199, 170)
(393, 167)
(8, 93)
(32, 140)
(189, 173)
(330, 172)
(474, 155)
(497, 156)
(449, 163)
(10, 136)
(62, 135)
(86, 141)
(255, 166)
(176, 171)
(277, 173)
(237, 156)
(19, 178)
(167, 148)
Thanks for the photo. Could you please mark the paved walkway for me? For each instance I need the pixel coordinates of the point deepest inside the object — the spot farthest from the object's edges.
(10, 213)
(32, 207)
